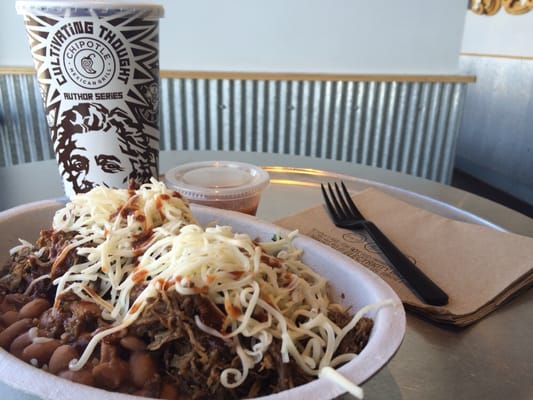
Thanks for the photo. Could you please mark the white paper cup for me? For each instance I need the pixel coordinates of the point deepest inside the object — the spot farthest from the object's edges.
(98, 68)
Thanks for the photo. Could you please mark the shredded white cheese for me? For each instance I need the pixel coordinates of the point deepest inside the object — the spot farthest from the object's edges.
(149, 237)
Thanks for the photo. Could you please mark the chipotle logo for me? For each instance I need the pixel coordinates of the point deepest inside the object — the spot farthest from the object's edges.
(89, 54)
(89, 63)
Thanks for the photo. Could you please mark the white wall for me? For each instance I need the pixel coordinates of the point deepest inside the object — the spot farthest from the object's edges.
(342, 36)
(500, 34)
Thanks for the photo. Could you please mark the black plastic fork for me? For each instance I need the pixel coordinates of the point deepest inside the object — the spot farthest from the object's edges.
(345, 214)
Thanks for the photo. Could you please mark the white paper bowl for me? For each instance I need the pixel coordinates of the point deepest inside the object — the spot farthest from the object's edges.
(358, 285)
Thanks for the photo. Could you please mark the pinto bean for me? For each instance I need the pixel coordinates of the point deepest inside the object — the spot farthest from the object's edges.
(107, 351)
(12, 331)
(40, 351)
(52, 321)
(142, 393)
(9, 317)
(111, 374)
(19, 343)
(82, 376)
(86, 308)
(61, 357)
(34, 308)
(132, 343)
(142, 368)
(169, 392)
(13, 301)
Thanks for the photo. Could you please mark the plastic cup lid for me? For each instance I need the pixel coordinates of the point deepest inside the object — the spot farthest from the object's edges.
(217, 180)
(31, 6)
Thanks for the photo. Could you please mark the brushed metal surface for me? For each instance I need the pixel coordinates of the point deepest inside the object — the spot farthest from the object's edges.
(495, 143)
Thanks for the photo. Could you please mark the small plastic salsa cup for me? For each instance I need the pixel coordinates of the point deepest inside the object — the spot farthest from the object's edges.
(228, 185)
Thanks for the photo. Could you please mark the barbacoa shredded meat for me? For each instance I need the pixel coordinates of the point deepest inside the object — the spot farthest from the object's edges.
(181, 361)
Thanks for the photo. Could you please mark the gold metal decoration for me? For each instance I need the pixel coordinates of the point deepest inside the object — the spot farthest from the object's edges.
(491, 7)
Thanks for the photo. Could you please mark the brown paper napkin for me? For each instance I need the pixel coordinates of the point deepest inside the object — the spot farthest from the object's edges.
(479, 267)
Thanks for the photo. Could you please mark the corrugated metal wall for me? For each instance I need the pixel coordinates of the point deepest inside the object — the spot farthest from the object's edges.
(24, 135)
(403, 126)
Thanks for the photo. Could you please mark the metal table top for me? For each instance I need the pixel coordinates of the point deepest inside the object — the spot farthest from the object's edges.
(490, 359)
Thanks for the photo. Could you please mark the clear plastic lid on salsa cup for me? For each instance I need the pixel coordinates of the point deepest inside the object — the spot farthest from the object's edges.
(229, 185)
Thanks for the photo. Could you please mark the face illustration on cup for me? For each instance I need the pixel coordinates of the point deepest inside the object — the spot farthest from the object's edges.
(95, 144)
(97, 65)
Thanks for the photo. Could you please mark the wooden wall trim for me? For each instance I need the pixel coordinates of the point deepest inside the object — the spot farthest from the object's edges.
(282, 76)
(507, 56)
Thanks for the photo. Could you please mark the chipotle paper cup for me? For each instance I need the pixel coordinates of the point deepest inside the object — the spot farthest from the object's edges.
(97, 63)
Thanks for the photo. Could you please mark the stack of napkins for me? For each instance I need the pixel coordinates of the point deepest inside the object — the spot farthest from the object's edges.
(477, 266)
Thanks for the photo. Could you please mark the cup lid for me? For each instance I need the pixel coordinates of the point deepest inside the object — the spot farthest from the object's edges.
(217, 180)
(153, 10)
